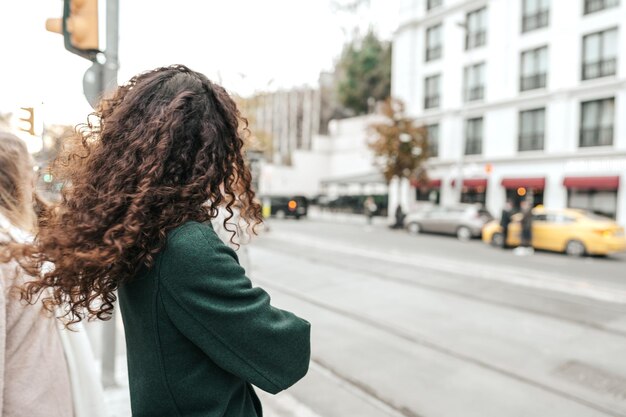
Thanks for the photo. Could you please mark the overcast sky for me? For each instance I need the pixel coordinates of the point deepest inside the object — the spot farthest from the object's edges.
(247, 44)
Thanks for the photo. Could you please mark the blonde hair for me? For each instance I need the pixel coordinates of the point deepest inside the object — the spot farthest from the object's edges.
(16, 201)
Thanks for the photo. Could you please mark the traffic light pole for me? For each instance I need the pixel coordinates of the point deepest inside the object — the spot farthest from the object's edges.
(109, 82)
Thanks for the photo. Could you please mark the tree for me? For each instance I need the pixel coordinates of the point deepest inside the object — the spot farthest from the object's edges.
(364, 73)
(257, 139)
(400, 147)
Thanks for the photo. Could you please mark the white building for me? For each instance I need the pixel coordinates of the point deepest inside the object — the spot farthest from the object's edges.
(527, 96)
(338, 164)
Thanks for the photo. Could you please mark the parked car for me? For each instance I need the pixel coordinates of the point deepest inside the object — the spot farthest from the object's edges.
(464, 220)
(354, 204)
(288, 206)
(575, 232)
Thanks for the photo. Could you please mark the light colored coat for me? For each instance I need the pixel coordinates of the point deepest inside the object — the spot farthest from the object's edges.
(34, 378)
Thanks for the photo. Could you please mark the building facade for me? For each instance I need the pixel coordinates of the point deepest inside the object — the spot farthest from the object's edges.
(284, 121)
(337, 164)
(522, 99)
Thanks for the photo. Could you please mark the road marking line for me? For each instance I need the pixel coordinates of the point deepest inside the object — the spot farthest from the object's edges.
(515, 276)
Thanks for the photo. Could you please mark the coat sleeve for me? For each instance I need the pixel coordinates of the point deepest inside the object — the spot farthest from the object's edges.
(211, 301)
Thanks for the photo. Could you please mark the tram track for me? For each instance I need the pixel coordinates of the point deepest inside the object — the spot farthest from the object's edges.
(382, 276)
(423, 342)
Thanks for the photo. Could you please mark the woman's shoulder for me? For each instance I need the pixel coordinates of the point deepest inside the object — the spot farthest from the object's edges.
(192, 241)
(195, 248)
(192, 232)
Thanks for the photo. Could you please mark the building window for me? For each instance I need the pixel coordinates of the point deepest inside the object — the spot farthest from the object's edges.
(601, 202)
(596, 123)
(476, 28)
(535, 14)
(431, 4)
(433, 43)
(597, 5)
(534, 69)
(426, 194)
(431, 91)
(532, 124)
(600, 54)
(472, 195)
(474, 136)
(474, 82)
(433, 140)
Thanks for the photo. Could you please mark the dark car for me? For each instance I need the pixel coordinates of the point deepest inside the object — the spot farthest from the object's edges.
(288, 206)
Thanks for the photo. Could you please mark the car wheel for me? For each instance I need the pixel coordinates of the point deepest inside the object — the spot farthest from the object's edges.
(414, 228)
(280, 214)
(497, 240)
(575, 248)
(463, 233)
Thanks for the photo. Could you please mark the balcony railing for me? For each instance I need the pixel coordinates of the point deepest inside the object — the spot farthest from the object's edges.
(535, 21)
(475, 39)
(474, 146)
(531, 82)
(531, 142)
(433, 53)
(596, 136)
(598, 69)
(431, 102)
(592, 6)
(475, 93)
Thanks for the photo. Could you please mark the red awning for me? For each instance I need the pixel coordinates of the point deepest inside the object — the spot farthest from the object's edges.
(534, 183)
(592, 183)
(433, 183)
(473, 182)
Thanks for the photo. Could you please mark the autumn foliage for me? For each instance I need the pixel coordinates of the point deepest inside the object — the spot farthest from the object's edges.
(401, 147)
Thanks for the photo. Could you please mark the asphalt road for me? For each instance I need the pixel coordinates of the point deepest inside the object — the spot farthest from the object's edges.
(429, 326)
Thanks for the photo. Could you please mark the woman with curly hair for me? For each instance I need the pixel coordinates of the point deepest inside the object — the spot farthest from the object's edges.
(143, 183)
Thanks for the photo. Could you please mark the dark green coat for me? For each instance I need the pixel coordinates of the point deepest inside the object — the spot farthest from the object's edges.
(198, 334)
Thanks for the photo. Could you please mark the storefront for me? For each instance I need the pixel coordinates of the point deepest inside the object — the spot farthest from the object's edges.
(596, 194)
(474, 190)
(520, 189)
(429, 191)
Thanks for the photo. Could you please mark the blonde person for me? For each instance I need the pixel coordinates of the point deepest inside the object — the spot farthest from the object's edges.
(44, 370)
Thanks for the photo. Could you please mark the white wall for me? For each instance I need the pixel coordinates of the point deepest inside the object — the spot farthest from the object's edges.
(343, 153)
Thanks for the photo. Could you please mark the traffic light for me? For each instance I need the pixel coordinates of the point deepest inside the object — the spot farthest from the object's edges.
(79, 27)
(29, 121)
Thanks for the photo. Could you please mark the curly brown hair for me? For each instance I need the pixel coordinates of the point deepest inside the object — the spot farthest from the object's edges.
(165, 149)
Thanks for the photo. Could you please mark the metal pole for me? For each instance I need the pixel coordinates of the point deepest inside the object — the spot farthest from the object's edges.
(109, 82)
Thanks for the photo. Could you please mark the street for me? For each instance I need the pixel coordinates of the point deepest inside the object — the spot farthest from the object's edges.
(430, 326)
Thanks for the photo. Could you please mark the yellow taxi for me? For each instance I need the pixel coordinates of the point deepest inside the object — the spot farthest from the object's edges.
(575, 232)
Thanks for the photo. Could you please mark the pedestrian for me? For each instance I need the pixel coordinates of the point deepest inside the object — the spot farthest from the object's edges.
(526, 225)
(399, 216)
(505, 221)
(38, 359)
(369, 208)
(164, 157)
